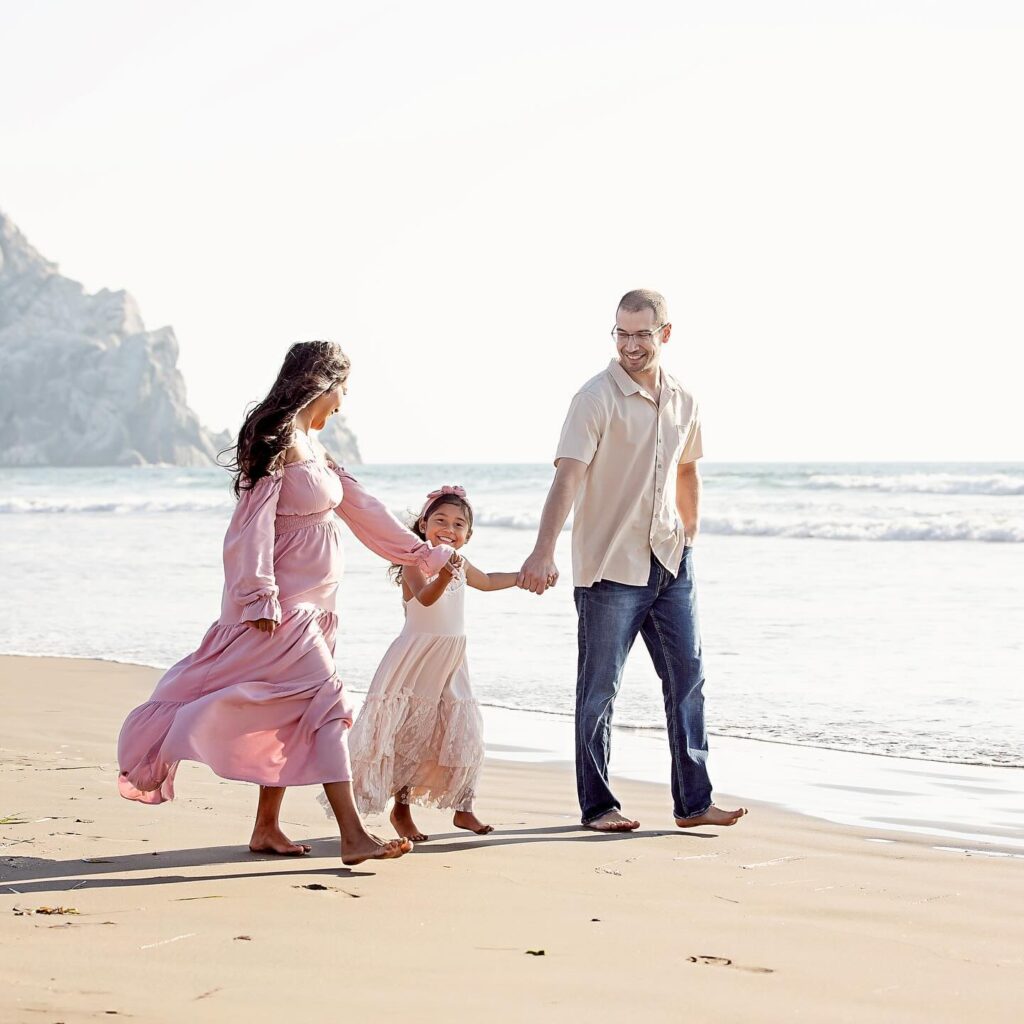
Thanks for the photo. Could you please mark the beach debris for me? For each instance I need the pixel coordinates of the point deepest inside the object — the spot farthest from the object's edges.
(769, 863)
(205, 995)
(243, 938)
(185, 899)
(593, 919)
(605, 869)
(317, 887)
(535, 952)
(26, 911)
(165, 942)
(726, 898)
(724, 961)
(96, 860)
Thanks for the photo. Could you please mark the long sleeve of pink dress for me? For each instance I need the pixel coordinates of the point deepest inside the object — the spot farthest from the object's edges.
(250, 587)
(375, 527)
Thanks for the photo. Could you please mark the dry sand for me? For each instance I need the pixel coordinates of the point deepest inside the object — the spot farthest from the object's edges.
(782, 918)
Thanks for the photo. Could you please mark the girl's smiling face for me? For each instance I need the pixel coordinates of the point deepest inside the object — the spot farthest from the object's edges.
(447, 524)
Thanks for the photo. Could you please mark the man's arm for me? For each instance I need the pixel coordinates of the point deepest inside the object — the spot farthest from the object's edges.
(688, 488)
(540, 567)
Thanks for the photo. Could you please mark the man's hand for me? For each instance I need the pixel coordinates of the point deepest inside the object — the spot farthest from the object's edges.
(538, 573)
(264, 625)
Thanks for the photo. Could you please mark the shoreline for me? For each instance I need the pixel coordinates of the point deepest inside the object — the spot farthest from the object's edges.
(161, 913)
(954, 805)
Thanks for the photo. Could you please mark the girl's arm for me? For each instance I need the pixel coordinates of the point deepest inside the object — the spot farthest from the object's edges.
(416, 586)
(489, 580)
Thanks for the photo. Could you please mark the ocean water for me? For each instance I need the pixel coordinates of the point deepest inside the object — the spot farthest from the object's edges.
(876, 608)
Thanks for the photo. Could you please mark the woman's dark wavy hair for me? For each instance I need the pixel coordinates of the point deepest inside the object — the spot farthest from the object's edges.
(310, 369)
(415, 523)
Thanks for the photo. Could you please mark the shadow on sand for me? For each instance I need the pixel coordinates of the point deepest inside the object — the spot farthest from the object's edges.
(24, 875)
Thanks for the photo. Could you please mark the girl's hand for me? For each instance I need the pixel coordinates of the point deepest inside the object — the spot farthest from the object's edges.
(264, 625)
(454, 563)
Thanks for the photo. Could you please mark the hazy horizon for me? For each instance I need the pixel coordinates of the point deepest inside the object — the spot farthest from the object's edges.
(828, 197)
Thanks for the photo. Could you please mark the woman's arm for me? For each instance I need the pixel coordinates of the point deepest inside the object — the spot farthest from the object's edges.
(489, 580)
(249, 554)
(381, 532)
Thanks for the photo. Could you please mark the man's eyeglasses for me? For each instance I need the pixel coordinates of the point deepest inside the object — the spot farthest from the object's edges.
(622, 336)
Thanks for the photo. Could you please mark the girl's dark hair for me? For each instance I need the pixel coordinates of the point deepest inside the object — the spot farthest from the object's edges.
(415, 524)
(310, 369)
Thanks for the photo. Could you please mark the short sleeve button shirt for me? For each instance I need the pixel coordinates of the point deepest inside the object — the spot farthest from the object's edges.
(632, 444)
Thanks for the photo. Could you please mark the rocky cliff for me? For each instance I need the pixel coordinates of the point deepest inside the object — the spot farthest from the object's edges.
(83, 383)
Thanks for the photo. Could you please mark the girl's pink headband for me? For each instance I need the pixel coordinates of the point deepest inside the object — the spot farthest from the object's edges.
(455, 491)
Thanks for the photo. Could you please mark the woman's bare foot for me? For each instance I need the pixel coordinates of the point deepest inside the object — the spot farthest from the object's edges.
(612, 822)
(368, 847)
(270, 839)
(401, 820)
(469, 821)
(713, 816)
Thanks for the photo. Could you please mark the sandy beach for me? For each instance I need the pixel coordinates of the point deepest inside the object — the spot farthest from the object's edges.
(168, 917)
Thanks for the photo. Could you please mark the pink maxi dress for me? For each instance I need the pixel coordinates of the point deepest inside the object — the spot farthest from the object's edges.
(256, 707)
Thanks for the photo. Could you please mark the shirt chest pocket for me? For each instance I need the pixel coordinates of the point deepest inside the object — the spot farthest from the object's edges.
(680, 434)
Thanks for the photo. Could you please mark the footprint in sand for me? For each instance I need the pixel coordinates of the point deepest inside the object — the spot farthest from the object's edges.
(724, 961)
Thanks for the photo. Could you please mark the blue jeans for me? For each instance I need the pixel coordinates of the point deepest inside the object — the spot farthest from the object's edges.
(611, 615)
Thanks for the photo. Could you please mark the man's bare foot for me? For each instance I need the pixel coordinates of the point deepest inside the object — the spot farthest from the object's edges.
(612, 822)
(713, 816)
(469, 821)
(369, 847)
(401, 819)
(271, 839)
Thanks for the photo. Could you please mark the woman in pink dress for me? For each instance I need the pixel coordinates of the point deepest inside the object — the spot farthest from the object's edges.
(260, 700)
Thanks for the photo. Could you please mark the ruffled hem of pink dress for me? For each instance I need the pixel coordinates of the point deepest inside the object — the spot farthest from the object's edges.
(254, 707)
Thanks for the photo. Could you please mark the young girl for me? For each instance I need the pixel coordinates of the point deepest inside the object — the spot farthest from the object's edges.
(260, 701)
(419, 736)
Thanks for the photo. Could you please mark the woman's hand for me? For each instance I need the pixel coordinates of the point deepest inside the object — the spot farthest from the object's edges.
(264, 625)
(453, 564)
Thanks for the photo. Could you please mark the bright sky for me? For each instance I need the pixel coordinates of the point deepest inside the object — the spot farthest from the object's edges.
(829, 194)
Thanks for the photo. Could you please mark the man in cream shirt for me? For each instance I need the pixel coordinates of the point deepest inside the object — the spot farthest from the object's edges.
(628, 459)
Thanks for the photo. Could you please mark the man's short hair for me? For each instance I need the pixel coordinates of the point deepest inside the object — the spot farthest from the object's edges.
(643, 298)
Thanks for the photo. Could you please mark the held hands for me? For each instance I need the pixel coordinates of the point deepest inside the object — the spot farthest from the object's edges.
(538, 573)
(263, 625)
(453, 564)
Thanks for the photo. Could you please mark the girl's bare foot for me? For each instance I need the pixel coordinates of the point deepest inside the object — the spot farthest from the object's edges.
(270, 839)
(469, 821)
(613, 822)
(401, 820)
(713, 816)
(368, 847)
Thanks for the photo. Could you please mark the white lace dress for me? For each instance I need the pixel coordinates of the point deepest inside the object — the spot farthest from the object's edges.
(420, 729)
